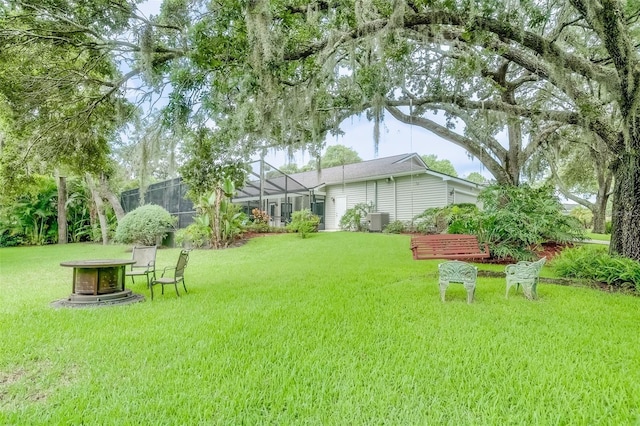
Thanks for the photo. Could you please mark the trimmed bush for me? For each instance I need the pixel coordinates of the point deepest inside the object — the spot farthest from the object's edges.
(463, 218)
(395, 227)
(432, 221)
(304, 222)
(144, 225)
(196, 235)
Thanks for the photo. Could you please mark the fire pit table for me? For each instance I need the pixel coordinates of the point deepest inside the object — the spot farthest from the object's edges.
(98, 281)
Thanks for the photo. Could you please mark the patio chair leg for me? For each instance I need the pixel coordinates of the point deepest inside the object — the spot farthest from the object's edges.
(175, 284)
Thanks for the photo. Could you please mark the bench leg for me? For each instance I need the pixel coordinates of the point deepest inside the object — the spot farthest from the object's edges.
(471, 291)
(511, 284)
(529, 290)
(443, 289)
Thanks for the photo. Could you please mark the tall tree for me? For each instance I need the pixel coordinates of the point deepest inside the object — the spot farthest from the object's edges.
(571, 50)
(284, 73)
(476, 177)
(443, 166)
(579, 165)
(339, 155)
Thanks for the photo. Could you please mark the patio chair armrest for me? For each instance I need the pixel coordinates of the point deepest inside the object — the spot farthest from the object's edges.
(167, 268)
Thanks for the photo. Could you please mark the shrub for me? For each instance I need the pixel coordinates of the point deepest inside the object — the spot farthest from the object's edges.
(304, 222)
(593, 262)
(395, 227)
(260, 216)
(31, 217)
(517, 220)
(464, 219)
(461, 218)
(582, 214)
(196, 235)
(233, 222)
(354, 218)
(261, 228)
(144, 225)
(431, 221)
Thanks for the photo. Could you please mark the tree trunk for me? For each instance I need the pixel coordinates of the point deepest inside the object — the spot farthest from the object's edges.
(217, 234)
(625, 233)
(512, 165)
(97, 199)
(599, 210)
(113, 199)
(62, 210)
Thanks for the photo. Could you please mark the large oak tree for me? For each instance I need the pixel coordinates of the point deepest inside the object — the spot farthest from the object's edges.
(286, 72)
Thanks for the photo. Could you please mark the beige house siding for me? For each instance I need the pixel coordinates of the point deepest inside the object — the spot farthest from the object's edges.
(459, 193)
(387, 197)
(356, 193)
(418, 193)
(402, 197)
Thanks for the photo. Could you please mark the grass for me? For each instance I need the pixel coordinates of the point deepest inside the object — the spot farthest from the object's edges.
(599, 237)
(339, 328)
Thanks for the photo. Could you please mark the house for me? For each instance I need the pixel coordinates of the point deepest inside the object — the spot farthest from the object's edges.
(401, 186)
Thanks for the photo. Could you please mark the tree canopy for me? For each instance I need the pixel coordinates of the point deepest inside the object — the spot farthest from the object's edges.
(443, 166)
(284, 73)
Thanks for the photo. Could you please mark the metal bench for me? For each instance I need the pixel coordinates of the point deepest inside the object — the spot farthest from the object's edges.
(525, 274)
(448, 246)
(457, 272)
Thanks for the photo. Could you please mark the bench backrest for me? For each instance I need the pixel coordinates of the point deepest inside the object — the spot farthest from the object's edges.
(447, 246)
(526, 269)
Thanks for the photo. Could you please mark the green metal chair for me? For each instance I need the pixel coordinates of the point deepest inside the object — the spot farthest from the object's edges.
(174, 274)
(145, 257)
(526, 274)
(457, 272)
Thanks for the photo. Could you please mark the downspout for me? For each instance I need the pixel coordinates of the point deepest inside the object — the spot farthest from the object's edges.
(263, 207)
(375, 194)
(395, 199)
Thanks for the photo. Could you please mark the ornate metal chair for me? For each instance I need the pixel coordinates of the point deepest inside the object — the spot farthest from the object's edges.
(458, 272)
(174, 274)
(145, 257)
(525, 274)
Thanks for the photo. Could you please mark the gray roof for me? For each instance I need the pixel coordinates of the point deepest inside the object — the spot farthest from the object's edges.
(396, 165)
(380, 167)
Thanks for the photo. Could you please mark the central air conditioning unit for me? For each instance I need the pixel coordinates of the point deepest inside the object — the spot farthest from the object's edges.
(377, 221)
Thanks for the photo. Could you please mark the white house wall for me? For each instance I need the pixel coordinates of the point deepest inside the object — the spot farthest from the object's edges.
(459, 193)
(354, 192)
(387, 198)
(461, 197)
(418, 193)
(403, 197)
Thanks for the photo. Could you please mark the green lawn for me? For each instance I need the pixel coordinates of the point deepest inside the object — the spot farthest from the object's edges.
(340, 328)
(599, 237)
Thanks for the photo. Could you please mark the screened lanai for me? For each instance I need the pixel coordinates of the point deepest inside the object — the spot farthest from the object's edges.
(275, 192)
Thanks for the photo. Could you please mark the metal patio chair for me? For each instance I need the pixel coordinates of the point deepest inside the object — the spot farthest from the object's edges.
(526, 274)
(174, 275)
(145, 257)
(456, 271)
